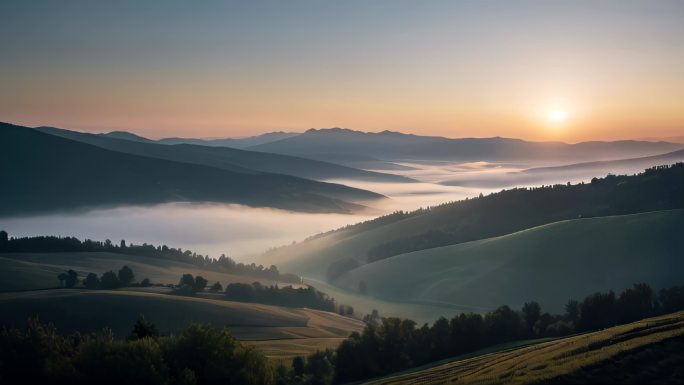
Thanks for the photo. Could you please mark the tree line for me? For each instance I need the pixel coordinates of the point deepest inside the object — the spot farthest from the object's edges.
(39, 354)
(394, 344)
(54, 244)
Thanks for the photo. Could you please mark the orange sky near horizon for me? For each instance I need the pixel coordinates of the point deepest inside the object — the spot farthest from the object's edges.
(613, 70)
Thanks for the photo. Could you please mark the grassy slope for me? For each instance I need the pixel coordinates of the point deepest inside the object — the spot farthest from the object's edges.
(494, 215)
(295, 330)
(20, 271)
(647, 350)
(549, 264)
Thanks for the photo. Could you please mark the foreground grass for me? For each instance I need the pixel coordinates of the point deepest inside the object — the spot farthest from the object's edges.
(649, 350)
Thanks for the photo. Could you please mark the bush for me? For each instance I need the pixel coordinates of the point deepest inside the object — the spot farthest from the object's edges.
(126, 276)
(109, 280)
(91, 281)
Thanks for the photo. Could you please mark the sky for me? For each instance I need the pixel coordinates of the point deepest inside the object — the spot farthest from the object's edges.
(539, 70)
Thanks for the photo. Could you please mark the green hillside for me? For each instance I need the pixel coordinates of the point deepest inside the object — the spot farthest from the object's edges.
(326, 256)
(548, 264)
(51, 173)
(647, 351)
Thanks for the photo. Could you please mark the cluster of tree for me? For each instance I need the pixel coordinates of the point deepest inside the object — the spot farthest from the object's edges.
(393, 344)
(39, 354)
(108, 280)
(255, 292)
(189, 284)
(51, 244)
(283, 296)
(657, 188)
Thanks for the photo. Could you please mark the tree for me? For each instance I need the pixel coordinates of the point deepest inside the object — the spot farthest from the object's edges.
(122, 245)
(62, 277)
(4, 240)
(319, 368)
(68, 279)
(298, 366)
(126, 276)
(91, 281)
(532, 312)
(200, 283)
(109, 280)
(143, 329)
(145, 282)
(635, 303)
(187, 279)
(572, 311)
(72, 280)
(597, 311)
(216, 288)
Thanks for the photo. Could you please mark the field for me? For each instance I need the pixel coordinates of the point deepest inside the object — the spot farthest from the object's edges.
(549, 264)
(38, 271)
(281, 332)
(647, 351)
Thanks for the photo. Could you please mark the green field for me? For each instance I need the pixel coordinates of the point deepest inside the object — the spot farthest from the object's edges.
(20, 271)
(549, 264)
(286, 332)
(647, 351)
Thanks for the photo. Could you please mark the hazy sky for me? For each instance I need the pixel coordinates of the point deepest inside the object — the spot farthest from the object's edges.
(571, 70)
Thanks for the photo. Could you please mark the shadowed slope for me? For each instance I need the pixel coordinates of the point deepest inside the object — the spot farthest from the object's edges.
(52, 173)
(226, 158)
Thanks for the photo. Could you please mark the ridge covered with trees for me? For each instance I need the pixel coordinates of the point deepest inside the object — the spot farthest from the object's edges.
(657, 188)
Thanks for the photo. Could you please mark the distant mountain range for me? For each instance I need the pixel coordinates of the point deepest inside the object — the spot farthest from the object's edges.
(46, 172)
(378, 150)
(349, 146)
(225, 158)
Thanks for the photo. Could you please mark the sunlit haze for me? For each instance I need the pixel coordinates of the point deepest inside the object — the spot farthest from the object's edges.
(231, 69)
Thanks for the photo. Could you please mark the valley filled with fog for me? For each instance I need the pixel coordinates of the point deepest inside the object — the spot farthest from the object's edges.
(244, 233)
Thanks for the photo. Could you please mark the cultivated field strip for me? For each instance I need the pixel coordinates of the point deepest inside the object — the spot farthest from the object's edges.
(548, 360)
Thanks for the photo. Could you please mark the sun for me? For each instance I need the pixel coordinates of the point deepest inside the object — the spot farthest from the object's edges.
(557, 116)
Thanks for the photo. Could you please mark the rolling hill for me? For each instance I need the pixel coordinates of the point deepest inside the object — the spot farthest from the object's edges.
(231, 159)
(326, 256)
(349, 146)
(292, 331)
(642, 352)
(51, 173)
(547, 264)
